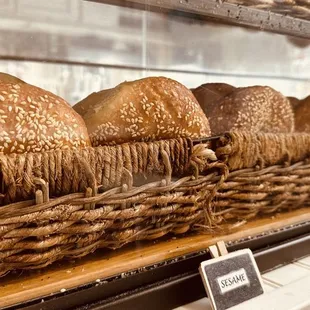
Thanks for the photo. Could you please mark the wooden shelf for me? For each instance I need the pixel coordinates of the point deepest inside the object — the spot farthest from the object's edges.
(63, 276)
(222, 11)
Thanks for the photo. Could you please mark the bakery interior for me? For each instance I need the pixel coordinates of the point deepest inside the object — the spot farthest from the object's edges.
(73, 48)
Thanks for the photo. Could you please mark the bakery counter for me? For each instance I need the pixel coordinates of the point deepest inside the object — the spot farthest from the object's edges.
(289, 19)
(154, 271)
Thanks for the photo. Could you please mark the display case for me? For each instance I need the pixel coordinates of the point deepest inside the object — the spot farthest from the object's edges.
(81, 229)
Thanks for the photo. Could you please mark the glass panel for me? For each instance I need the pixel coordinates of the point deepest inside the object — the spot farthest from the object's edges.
(74, 48)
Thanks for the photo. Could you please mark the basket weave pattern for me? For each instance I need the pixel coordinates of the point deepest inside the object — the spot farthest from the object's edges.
(190, 193)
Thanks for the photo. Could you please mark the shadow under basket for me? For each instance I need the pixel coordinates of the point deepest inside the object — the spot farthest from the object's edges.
(66, 204)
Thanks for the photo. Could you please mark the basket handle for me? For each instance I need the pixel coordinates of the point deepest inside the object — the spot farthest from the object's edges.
(42, 194)
(168, 168)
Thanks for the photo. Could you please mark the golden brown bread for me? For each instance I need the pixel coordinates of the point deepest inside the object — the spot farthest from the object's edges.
(7, 78)
(302, 116)
(210, 93)
(294, 102)
(256, 108)
(143, 110)
(35, 120)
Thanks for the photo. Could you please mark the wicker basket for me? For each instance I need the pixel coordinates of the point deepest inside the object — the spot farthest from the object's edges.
(182, 190)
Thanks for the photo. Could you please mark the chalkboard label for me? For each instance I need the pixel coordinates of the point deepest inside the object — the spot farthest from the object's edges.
(231, 279)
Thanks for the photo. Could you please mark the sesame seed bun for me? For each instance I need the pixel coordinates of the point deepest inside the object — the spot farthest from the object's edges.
(302, 115)
(211, 92)
(255, 109)
(144, 110)
(294, 102)
(35, 120)
(7, 78)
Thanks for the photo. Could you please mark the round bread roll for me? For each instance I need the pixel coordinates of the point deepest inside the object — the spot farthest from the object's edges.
(35, 120)
(210, 93)
(7, 78)
(294, 102)
(302, 115)
(255, 109)
(144, 110)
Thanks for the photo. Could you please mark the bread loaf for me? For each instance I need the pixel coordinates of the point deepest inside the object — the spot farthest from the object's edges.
(302, 116)
(256, 108)
(35, 120)
(7, 78)
(210, 93)
(143, 110)
(294, 102)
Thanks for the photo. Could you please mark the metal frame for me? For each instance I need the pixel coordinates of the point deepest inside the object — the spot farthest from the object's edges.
(177, 281)
(216, 10)
(188, 287)
(151, 69)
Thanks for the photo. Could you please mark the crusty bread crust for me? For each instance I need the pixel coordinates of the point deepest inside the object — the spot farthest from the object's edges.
(7, 78)
(210, 93)
(294, 102)
(35, 120)
(302, 115)
(143, 110)
(255, 109)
